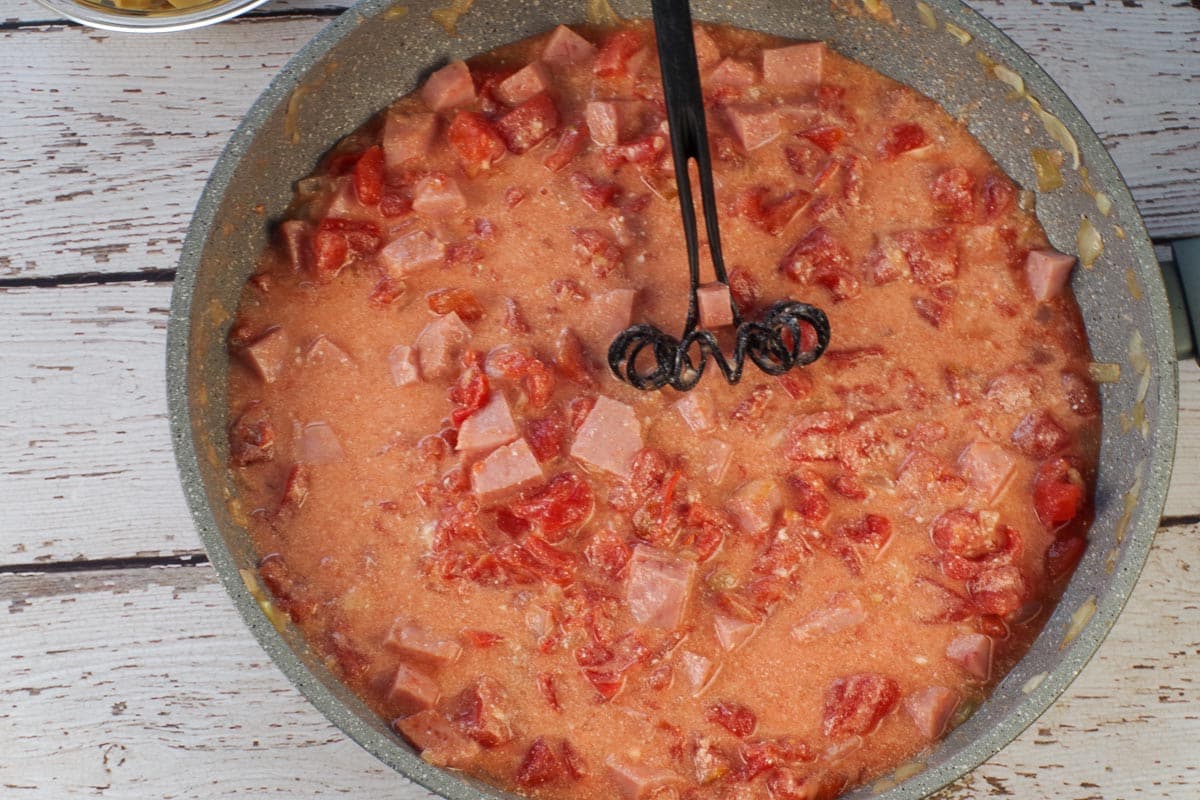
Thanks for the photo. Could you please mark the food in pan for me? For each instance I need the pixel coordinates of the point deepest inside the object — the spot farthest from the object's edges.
(573, 589)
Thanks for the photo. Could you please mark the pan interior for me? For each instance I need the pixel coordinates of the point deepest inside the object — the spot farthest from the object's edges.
(378, 51)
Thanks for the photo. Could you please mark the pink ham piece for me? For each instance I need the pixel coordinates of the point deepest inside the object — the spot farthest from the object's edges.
(417, 644)
(707, 52)
(438, 197)
(713, 301)
(1047, 272)
(566, 47)
(800, 115)
(609, 438)
(523, 84)
(697, 669)
(344, 204)
(318, 444)
(754, 126)
(658, 587)
(412, 690)
(797, 65)
(489, 427)
(322, 352)
(402, 361)
(639, 781)
(439, 344)
(715, 457)
(972, 652)
(842, 611)
(506, 470)
(733, 73)
(930, 709)
(987, 466)
(440, 743)
(267, 354)
(697, 410)
(756, 504)
(732, 632)
(449, 87)
(411, 253)
(296, 236)
(604, 121)
(407, 137)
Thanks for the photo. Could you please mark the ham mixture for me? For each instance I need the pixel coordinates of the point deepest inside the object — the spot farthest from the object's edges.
(573, 589)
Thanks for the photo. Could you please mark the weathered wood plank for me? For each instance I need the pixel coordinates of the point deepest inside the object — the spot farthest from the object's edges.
(126, 135)
(143, 684)
(84, 441)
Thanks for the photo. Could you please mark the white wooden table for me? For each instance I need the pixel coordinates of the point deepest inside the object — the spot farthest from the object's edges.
(124, 669)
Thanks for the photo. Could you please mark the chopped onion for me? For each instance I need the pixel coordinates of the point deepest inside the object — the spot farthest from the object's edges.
(958, 33)
(1103, 203)
(1137, 352)
(1006, 75)
(448, 17)
(1026, 201)
(926, 15)
(1031, 685)
(1102, 372)
(1088, 243)
(1131, 283)
(1045, 166)
(878, 9)
(599, 12)
(1079, 621)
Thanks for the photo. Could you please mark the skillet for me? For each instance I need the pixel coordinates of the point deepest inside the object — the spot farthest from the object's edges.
(377, 51)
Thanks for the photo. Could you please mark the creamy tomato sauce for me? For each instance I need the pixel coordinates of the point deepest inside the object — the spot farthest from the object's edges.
(574, 589)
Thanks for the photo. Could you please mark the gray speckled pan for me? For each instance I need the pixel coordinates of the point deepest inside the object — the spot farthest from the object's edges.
(374, 53)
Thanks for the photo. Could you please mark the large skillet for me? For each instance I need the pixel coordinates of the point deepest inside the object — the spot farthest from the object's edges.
(376, 52)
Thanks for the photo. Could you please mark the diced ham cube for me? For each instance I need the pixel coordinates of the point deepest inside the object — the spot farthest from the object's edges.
(930, 709)
(698, 411)
(566, 47)
(707, 52)
(417, 644)
(410, 253)
(732, 73)
(756, 504)
(438, 197)
(506, 470)
(321, 351)
(732, 632)
(696, 668)
(604, 121)
(1047, 272)
(439, 344)
(1039, 435)
(268, 354)
(412, 691)
(296, 238)
(489, 427)
(843, 610)
(608, 314)
(407, 137)
(658, 587)
(609, 438)
(523, 84)
(402, 361)
(797, 65)
(440, 743)
(716, 309)
(449, 87)
(802, 115)
(987, 466)
(716, 456)
(639, 781)
(972, 652)
(319, 445)
(483, 711)
(754, 126)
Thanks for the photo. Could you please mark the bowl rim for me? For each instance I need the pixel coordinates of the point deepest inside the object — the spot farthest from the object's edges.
(96, 16)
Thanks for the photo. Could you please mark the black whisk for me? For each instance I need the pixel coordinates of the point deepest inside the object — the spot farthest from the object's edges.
(774, 343)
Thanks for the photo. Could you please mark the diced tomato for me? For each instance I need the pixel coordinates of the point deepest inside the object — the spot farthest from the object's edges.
(481, 712)
(570, 143)
(330, 251)
(472, 391)
(606, 682)
(1039, 435)
(368, 176)
(482, 639)
(612, 60)
(570, 358)
(608, 553)
(750, 410)
(545, 682)
(999, 590)
(464, 252)
(433, 449)
(578, 409)
(514, 320)
(394, 203)
(848, 486)
(961, 532)
(457, 300)
(1057, 492)
(362, 238)
(645, 151)
(744, 288)
(597, 251)
(769, 214)
(816, 256)
(999, 196)
(529, 123)
(855, 704)
(1063, 555)
(252, 438)
(539, 766)
(516, 365)
(597, 194)
(901, 139)
(564, 504)
(953, 194)
(733, 717)
(825, 137)
(761, 755)
(545, 436)
(573, 762)
(871, 529)
(476, 142)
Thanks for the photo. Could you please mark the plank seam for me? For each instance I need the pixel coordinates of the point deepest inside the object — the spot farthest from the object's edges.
(191, 559)
(89, 279)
